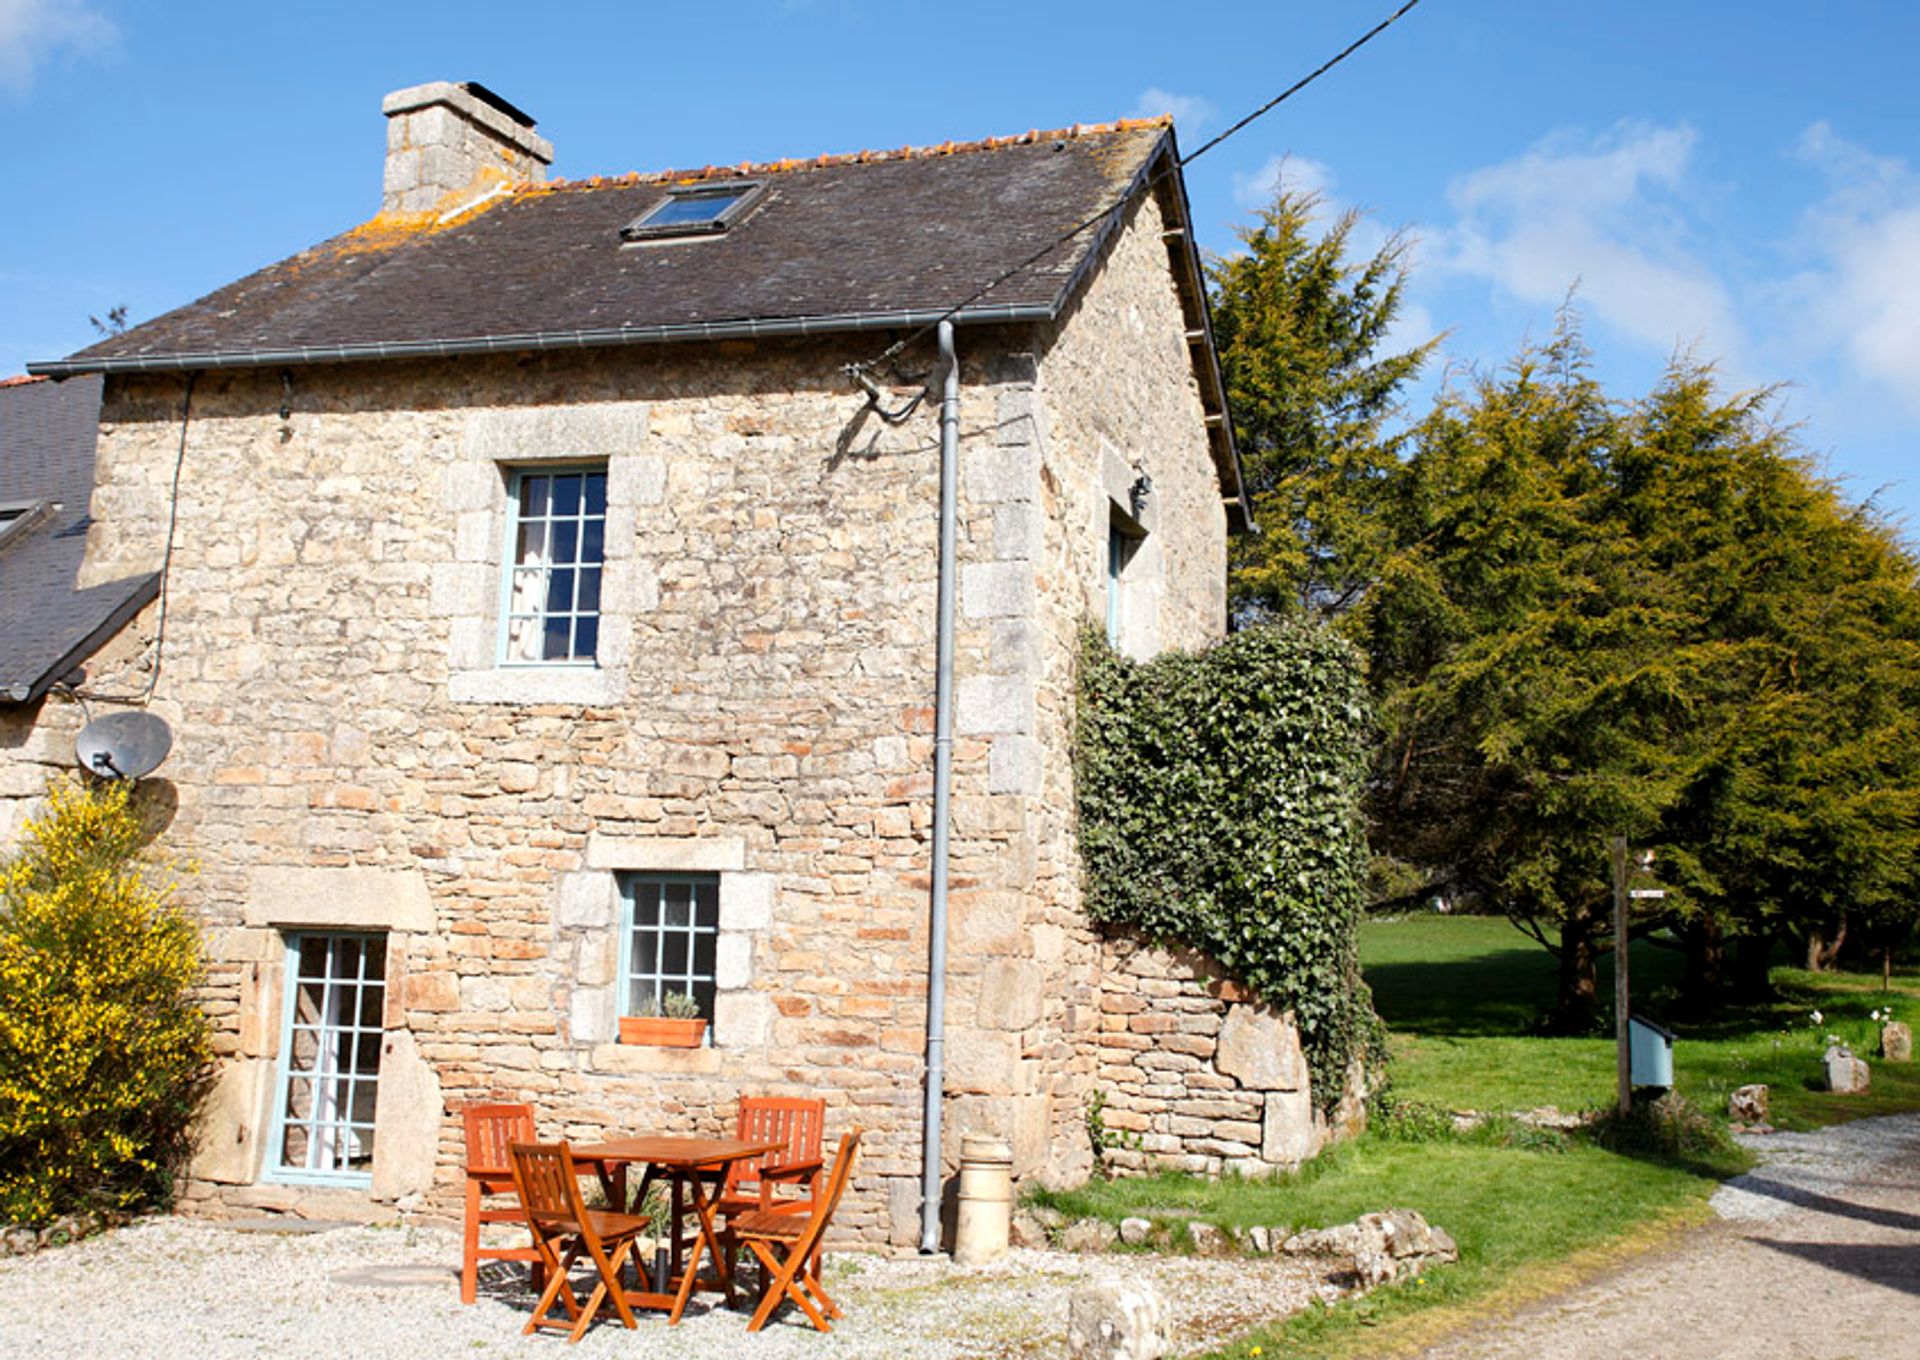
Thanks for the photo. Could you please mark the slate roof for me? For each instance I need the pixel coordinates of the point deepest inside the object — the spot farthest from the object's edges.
(871, 241)
(47, 625)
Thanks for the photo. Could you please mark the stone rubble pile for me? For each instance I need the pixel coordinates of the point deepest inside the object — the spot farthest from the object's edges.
(1381, 1247)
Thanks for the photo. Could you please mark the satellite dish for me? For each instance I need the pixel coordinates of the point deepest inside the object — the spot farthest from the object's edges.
(123, 745)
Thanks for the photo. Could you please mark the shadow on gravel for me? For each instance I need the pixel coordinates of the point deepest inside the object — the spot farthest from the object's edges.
(1895, 1267)
(1755, 1184)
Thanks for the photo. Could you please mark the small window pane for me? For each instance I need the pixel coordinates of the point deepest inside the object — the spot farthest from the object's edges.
(673, 954)
(560, 592)
(555, 646)
(303, 1050)
(566, 495)
(533, 543)
(596, 493)
(586, 637)
(681, 209)
(704, 945)
(589, 591)
(566, 543)
(313, 958)
(593, 546)
(534, 497)
(346, 959)
(679, 904)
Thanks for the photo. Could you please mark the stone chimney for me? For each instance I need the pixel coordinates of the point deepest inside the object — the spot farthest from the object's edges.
(444, 138)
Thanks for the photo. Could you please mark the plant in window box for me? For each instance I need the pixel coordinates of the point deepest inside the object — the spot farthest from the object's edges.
(671, 1021)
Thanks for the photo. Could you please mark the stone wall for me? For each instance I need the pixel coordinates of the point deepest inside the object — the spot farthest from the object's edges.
(1199, 1077)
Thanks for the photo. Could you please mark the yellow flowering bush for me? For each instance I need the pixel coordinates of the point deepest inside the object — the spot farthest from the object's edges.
(104, 1056)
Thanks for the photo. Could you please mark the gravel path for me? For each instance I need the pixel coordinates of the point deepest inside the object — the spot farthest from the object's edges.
(1816, 1257)
(176, 1287)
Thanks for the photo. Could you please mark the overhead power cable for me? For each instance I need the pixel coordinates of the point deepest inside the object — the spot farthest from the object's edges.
(859, 372)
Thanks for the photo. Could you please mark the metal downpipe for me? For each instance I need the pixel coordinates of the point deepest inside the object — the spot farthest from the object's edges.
(942, 793)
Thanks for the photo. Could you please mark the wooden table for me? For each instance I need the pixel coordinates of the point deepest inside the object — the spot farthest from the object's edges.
(692, 1167)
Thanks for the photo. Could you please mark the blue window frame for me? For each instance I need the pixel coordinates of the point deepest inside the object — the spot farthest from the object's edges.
(330, 1043)
(555, 556)
(670, 932)
(1119, 552)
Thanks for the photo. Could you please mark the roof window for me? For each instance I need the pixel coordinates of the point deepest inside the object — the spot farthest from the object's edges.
(16, 517)
(694, 210)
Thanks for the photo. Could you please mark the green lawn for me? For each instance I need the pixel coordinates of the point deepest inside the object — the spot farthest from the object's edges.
(1461, 994)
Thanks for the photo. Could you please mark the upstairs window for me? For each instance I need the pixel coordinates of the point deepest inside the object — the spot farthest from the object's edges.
(1120, 549)
(556, 550)
(693, 210)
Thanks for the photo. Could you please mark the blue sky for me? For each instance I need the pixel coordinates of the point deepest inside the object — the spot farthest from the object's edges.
(1738, 180)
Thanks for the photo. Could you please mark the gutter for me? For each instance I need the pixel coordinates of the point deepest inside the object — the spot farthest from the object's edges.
(942, 793)
(608, 337)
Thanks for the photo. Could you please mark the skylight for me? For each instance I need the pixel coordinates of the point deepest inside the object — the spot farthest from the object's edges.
(693, 210)
(16, 517)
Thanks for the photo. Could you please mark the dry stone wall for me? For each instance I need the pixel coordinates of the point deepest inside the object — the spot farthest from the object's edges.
(1198, 1076)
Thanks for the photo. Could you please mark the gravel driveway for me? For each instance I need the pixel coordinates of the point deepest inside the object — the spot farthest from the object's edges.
(181, 1288)
(1816, 1257)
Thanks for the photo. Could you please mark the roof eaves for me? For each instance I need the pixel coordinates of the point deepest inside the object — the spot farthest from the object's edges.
(1164, 163)
(746, 329)
(141, 592)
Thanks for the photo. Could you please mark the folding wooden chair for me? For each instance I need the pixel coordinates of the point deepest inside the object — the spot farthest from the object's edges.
(784, 1243)
(491, 1130)
(750, 1184)
(549, 1186)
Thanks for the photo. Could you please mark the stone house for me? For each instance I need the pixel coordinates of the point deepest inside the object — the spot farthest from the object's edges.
(551, 624)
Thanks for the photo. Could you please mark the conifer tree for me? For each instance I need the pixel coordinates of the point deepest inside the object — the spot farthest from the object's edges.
(1299, 325)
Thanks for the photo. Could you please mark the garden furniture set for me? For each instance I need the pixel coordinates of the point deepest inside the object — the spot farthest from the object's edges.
(766, 1189)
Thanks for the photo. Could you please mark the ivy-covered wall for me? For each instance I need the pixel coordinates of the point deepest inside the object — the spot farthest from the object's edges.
(1219, 812)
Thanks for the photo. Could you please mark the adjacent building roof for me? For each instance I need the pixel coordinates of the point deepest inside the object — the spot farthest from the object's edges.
(873, 241)
(48, 625)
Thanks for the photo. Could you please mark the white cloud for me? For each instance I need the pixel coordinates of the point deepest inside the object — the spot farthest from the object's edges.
(1302, 174)
(32, 32)
(1862, 293)
(1190, 112)
(1610, 214)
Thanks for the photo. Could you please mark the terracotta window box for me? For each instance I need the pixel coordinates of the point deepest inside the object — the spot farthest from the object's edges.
(662, 1031)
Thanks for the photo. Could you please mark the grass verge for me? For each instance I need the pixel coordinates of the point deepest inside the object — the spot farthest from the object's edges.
(1533, 1212)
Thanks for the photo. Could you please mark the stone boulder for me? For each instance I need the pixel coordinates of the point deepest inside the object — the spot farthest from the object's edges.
(1115, 1319)
(1260, 1048)
(1749, 1105)
(1846, 1074)
(1208, 1240)
(1034, 1226)
(1896, 1042)
(1379, 1247)
(1089, 1235)
(1136, 1232)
